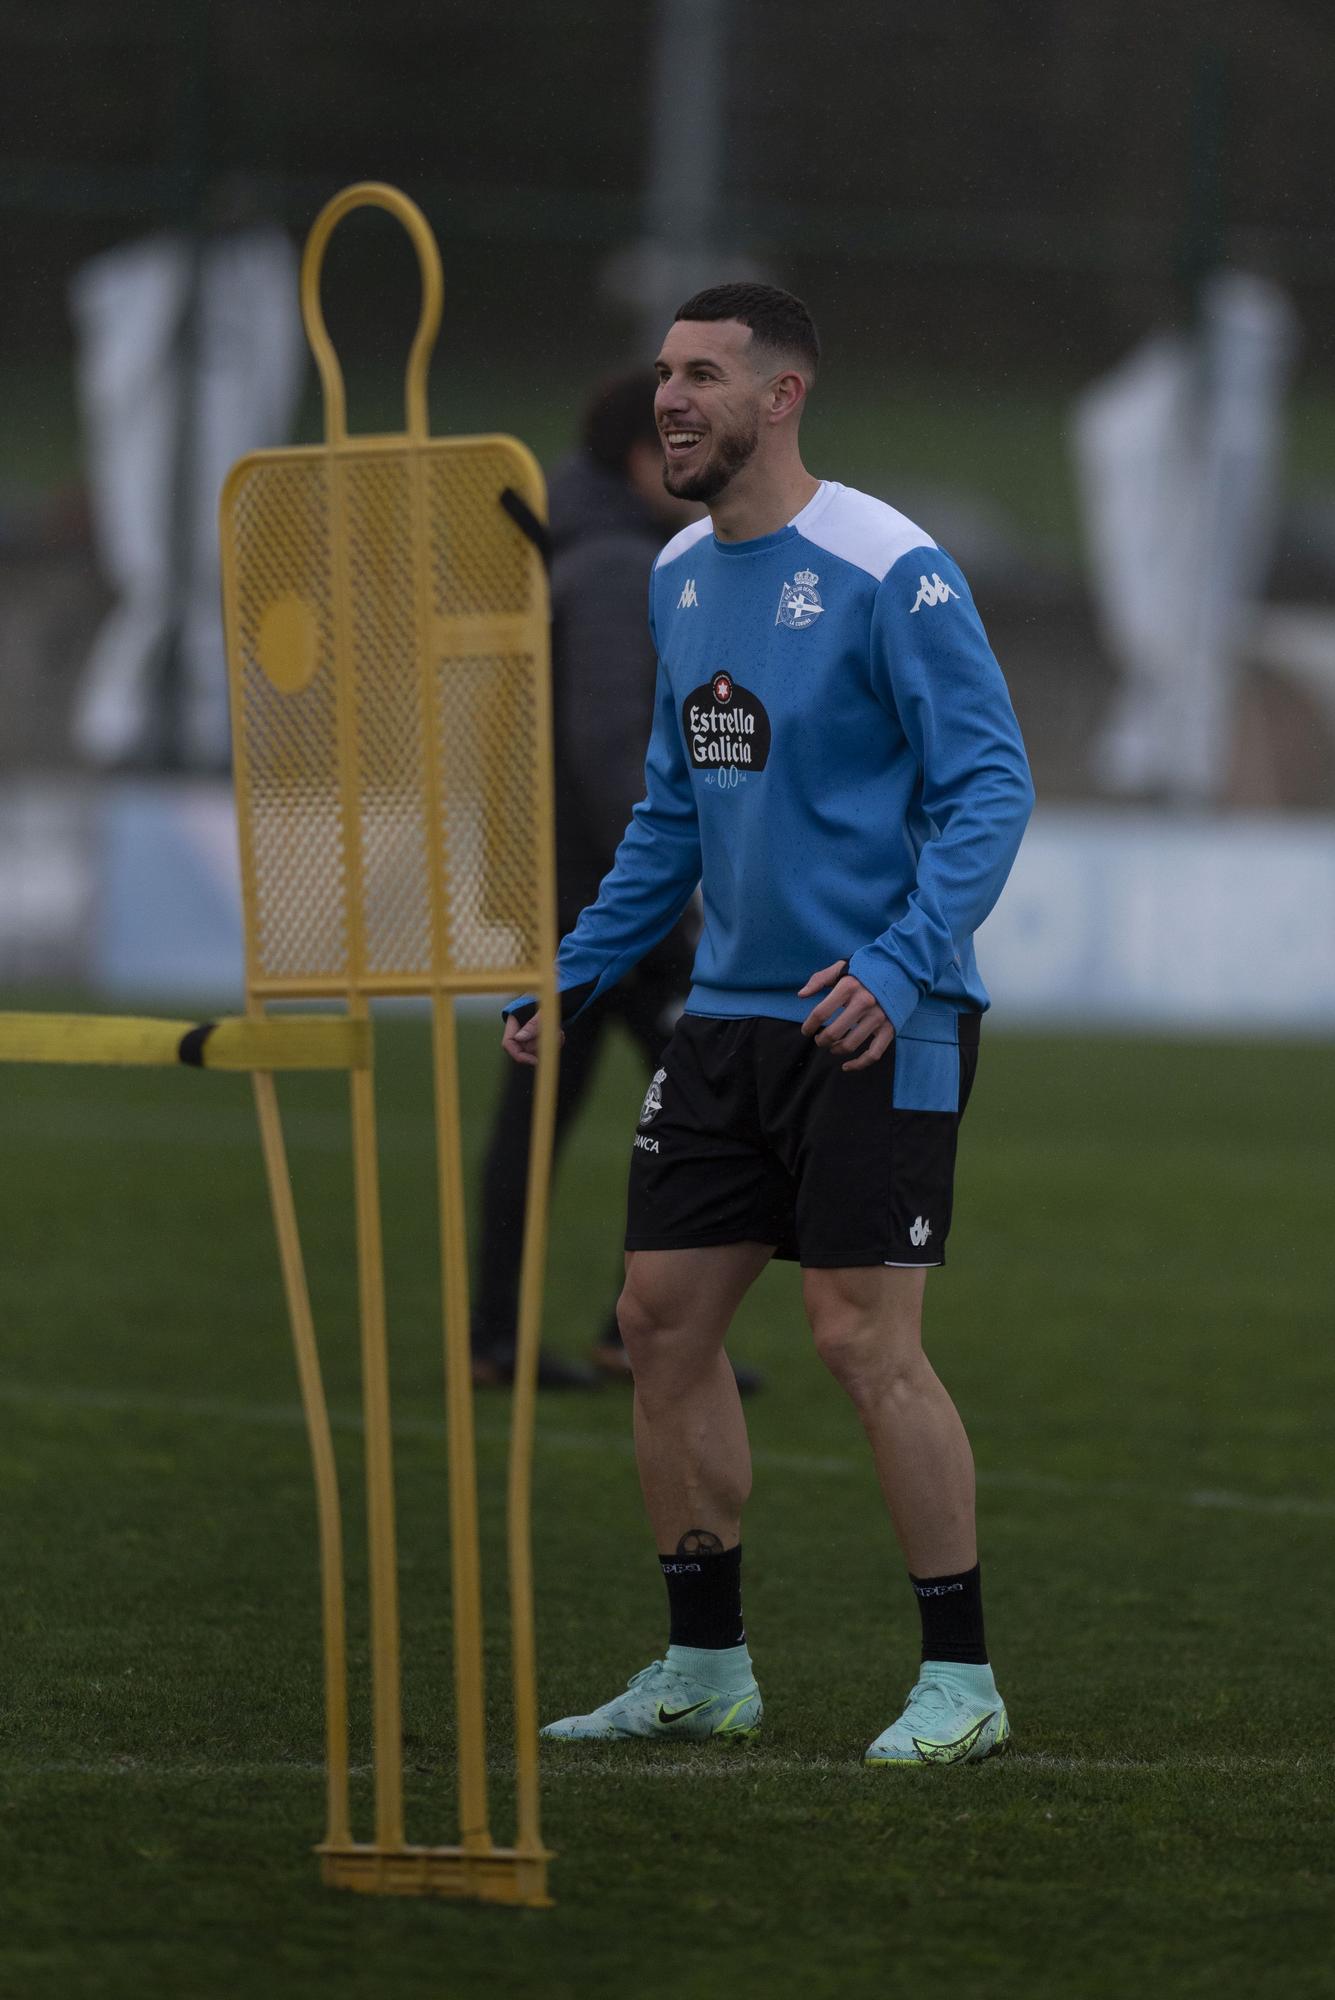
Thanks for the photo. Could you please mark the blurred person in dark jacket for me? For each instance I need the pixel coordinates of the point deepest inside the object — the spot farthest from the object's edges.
(609, 517)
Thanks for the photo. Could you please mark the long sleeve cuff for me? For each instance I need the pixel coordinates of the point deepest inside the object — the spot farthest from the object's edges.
(889, 983)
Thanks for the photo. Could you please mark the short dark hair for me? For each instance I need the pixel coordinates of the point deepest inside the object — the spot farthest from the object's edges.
(621, 414)
(777, 320)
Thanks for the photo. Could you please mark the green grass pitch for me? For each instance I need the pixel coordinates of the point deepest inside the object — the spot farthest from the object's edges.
(1137, 1325)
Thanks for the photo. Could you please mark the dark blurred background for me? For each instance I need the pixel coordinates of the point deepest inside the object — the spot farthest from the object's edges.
(987, 210)
(1016, 191)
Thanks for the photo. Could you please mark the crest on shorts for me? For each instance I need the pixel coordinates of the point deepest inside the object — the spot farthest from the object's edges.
(653, 1097)
(799, 601)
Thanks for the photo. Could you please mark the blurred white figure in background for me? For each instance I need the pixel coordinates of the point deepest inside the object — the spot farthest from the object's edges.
(1178, 455)
(187, 359)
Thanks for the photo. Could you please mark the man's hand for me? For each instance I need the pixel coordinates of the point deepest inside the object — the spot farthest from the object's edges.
(861, 1020)
(520, 1040)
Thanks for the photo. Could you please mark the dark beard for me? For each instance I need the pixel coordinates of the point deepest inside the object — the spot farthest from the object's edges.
(730, 454)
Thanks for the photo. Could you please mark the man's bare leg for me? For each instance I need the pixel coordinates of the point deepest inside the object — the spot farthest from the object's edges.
(695, 1469)
(867, 1325)
(690, 1434)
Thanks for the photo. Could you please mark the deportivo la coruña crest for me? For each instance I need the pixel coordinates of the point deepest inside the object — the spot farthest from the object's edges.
(799, 601)
(653, 1097)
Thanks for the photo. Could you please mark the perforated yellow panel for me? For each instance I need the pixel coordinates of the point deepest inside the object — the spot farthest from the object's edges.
(284, 700)
(387, 620)
(488, 726)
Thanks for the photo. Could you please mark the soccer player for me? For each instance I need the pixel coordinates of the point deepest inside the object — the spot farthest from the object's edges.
(835, 760)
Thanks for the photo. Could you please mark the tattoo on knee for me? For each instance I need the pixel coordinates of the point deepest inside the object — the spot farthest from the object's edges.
(700, 1542)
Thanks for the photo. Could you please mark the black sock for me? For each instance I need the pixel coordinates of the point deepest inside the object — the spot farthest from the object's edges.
(704, 1597)
(952, 1617)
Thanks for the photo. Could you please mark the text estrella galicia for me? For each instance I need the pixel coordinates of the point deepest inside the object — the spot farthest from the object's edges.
(723, 723)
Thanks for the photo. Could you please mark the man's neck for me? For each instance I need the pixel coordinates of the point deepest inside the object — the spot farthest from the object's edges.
(758, 505)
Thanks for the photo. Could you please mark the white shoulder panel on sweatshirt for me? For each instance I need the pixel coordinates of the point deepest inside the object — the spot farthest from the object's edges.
(685, 538)
(862, 530)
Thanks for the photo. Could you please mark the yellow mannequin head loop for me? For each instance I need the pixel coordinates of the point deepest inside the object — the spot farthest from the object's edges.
(371, 194)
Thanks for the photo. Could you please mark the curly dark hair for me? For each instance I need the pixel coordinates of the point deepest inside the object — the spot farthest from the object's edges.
(777, 320)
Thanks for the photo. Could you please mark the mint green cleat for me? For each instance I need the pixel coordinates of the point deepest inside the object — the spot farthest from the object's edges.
(953, 1715)
(663, 1702)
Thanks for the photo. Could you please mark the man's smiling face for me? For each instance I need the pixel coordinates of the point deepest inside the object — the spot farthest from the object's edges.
(708, 405)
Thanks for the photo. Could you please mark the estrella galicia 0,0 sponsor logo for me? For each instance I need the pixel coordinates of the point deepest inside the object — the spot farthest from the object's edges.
(725, 724)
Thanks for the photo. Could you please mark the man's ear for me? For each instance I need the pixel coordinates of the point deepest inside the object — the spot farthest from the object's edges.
(787, 393)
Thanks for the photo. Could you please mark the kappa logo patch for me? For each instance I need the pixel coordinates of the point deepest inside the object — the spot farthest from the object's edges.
(934, 592)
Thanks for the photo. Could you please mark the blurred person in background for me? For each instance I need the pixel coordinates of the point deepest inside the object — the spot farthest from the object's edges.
(610, 514)
(190, 355)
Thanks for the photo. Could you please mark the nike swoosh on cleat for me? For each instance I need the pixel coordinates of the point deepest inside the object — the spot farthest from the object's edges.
(670, 1715)
(951, 1753)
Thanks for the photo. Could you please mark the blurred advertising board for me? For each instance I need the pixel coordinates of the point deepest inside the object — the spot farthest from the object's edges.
(1167, 921)
(1113, 919)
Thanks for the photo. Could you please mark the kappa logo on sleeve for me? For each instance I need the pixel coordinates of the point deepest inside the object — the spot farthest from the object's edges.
(934, 592)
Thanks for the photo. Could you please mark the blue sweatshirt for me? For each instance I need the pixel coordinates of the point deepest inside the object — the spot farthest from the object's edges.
(834, 759)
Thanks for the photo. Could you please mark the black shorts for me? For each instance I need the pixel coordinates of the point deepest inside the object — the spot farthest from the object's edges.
(750, 1133)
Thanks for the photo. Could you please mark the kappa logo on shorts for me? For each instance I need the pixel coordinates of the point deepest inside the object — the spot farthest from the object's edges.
(653, 1098)
(919, 1233)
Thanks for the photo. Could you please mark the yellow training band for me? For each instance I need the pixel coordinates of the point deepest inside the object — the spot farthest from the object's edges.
(297, 1041)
